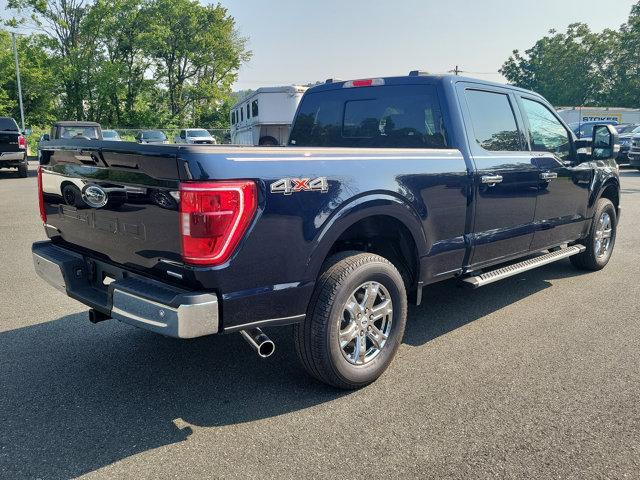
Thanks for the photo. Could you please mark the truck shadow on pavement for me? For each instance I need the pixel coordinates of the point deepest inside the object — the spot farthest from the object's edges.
(76, 397)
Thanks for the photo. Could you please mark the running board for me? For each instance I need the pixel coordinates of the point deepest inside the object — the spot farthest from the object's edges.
(516, 268)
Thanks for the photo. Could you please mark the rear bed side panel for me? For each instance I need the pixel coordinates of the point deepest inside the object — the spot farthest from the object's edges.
(274, 269)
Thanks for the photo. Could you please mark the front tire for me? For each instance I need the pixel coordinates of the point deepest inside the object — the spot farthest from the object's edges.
(601, 239)
(355, 321)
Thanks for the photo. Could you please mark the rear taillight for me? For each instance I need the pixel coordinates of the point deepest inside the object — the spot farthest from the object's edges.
(22, 142)
(213, 218)
(43, 214)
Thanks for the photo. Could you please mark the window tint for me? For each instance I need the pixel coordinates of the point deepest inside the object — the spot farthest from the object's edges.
(254, 108)
(586, 131)
(8, 124)
(155, 135)
(494, 123)
(547, 133)
(110, 134)
(390, 116)
(199, 133)
(79, 132)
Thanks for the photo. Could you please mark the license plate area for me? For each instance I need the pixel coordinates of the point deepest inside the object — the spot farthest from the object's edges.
(102, 274)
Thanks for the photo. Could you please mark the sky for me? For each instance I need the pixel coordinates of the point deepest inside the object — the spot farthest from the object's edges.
(297, 42)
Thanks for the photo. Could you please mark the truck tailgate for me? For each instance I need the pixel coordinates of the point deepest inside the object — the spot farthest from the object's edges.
(9, 141)
(119, 201)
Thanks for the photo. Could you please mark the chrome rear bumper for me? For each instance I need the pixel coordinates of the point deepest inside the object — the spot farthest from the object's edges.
(130, 298)
(13, 158)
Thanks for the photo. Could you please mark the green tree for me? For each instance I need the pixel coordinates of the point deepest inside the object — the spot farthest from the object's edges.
(119, 27)
(571, 68)
(137, 62)
(60, 21)
(39, 87)
(624, 88)
(197, 52)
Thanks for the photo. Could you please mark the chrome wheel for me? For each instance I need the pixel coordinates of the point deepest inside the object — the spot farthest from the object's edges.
(602, 238)
(365, 324)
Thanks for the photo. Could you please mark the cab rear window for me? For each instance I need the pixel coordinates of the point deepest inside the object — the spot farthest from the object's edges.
(405, 116)
(8, 125)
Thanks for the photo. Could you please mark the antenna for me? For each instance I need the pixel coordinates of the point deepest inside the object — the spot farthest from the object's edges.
(456, 71)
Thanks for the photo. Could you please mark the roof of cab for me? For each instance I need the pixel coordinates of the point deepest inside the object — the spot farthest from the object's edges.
(75, 123)
(417, 77)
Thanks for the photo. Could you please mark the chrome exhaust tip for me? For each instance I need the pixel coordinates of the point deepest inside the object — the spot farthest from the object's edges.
(259, 341)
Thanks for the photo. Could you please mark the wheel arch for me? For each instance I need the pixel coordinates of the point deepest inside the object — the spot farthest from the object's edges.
(611, 190)
(377, 213)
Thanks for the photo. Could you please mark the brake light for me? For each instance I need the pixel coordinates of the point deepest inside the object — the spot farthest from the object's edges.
(22, 142)
(43, 213)
(365, 82)
(213, 218)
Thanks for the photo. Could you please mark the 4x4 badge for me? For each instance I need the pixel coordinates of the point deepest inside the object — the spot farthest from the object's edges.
(293, 185)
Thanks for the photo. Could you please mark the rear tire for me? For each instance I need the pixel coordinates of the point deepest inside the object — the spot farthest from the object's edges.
(601, 239)
(23, 171)
(268, 141)
(355, 321)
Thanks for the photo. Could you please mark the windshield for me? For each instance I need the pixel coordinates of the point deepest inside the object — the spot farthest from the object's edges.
(586, 130)
(79, 132)
(8, 125)
(625, 128)
(154, 135)
(403, 116)
(198, 133)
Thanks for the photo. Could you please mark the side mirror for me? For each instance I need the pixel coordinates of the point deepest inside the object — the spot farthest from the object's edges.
(605, 144)
(45, 137)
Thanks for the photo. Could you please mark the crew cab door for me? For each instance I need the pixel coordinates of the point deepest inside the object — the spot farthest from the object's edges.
(563, 192)
(505, 180)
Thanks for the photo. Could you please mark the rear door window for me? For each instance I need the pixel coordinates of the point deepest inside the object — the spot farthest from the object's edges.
(403, 116)
(493, 120)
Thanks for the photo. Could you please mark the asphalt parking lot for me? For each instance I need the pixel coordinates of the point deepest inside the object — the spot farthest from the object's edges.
(534, 377)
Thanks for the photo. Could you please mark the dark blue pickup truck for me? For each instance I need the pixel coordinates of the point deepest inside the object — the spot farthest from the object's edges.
(387, 185)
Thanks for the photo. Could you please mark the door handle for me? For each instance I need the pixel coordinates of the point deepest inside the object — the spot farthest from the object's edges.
(548, 176)
(491, 180)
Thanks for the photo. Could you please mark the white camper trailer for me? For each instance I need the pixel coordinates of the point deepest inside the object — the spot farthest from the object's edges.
(264, 117)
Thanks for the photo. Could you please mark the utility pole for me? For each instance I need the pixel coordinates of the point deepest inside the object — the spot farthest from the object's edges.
(15, 55)
(456, 71)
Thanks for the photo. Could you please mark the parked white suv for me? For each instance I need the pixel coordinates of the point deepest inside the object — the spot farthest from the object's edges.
(195, 136)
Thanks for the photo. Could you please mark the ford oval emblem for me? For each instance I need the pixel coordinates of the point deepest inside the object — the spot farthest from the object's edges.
(94, 196)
